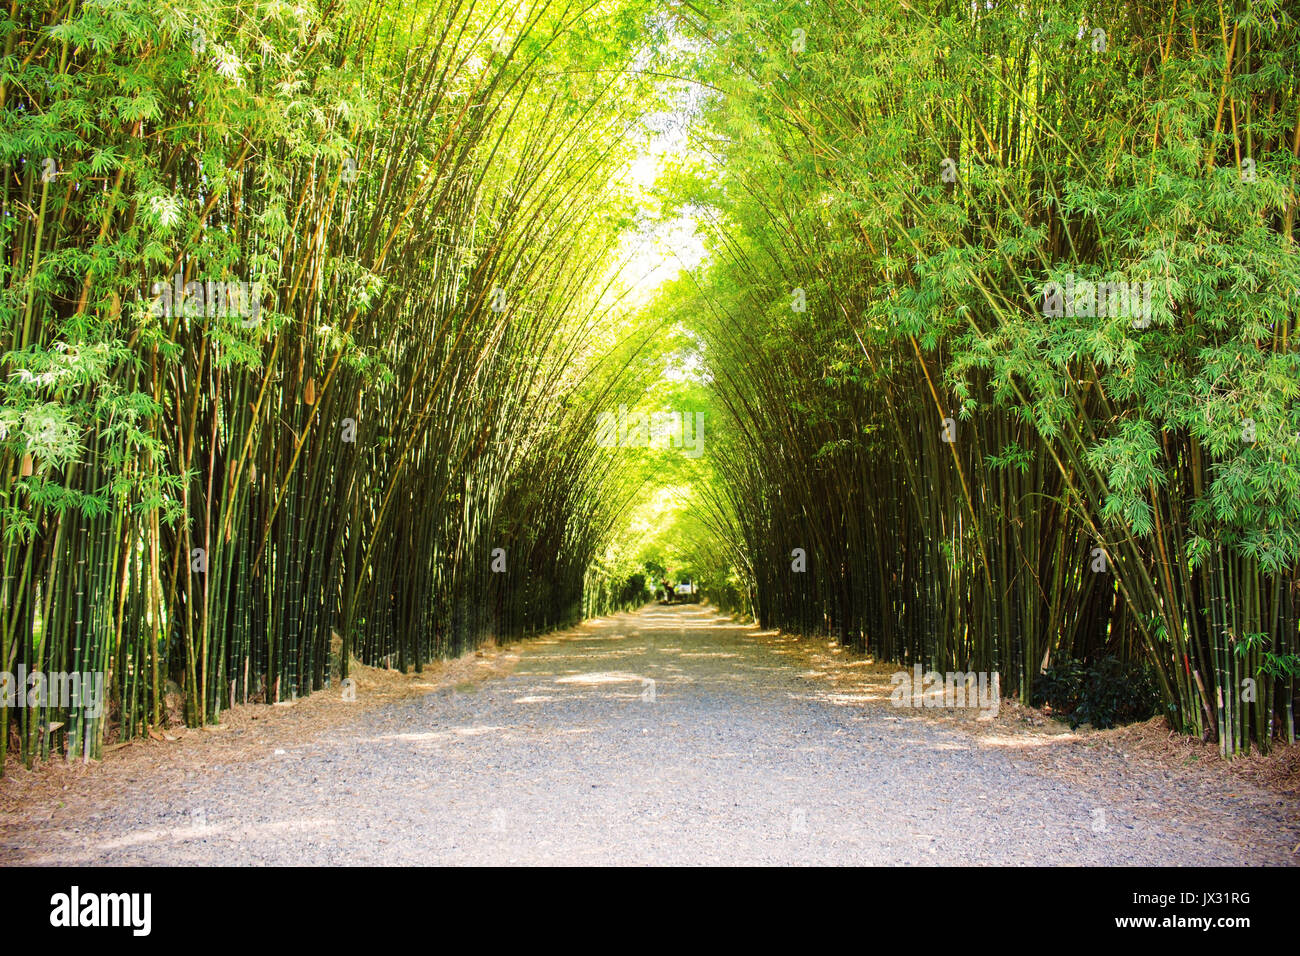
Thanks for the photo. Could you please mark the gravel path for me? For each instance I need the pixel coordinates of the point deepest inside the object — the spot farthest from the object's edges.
(735, 755)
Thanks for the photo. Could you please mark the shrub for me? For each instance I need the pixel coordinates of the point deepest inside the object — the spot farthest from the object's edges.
(1104, 693)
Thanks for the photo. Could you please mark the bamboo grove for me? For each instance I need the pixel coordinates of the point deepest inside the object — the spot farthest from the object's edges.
(308, 313)
(300, 320)
(975, 478)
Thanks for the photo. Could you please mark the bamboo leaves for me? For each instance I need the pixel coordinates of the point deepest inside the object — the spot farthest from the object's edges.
(313, 419)
(1001, 156)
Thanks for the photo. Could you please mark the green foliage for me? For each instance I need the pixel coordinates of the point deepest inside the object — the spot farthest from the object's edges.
(952, 453)
(357, 440)
(1104, 694)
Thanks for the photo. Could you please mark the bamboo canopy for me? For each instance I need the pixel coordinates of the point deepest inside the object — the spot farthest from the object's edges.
(309, 315)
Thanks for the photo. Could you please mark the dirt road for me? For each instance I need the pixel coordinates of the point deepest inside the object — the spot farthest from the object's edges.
(667, 736)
